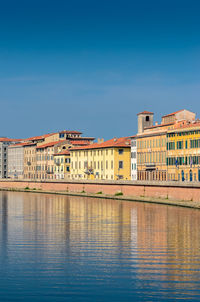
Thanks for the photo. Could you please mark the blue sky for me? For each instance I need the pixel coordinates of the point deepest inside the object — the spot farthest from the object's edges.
(93, 65)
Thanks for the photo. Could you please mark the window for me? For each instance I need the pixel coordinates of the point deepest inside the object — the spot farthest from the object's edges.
(133, 143)
(133, 154)
(179, 145)
(195, 143)
(111, 164)
(171, 146)
(147, 118)
(121, 151)
(186, 144)
(61, 135)
(120, 164)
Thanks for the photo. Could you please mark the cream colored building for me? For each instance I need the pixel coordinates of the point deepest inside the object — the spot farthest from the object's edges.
(45, 158)
(62, 165)
(39, 154)
(30, 161)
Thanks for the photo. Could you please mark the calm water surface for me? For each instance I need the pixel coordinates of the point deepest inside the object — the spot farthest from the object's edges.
(60, 248)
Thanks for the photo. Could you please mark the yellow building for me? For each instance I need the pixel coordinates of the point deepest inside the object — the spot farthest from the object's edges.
(183, 159)
(62, 165)
(152, 143)
(108, 160)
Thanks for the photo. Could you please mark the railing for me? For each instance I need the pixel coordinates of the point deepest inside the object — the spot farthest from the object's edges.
(49, 172)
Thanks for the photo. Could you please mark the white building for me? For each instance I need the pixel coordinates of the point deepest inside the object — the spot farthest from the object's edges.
(16, 160)
(4, 143)
(133, 158)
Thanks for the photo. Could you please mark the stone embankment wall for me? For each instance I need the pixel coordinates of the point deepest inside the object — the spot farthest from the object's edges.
(165, 190)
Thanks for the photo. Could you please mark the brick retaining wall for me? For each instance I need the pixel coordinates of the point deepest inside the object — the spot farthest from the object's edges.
(165, 190)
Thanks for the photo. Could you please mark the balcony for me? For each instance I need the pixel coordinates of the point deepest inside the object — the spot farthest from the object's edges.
(49, 172)
(151, 166)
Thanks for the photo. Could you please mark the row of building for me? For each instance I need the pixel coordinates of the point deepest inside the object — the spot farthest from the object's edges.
(169, 150)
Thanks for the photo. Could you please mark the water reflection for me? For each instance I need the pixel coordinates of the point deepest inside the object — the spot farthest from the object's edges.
(56, 247)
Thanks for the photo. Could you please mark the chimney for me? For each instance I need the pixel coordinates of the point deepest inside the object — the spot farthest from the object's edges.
(115, 139)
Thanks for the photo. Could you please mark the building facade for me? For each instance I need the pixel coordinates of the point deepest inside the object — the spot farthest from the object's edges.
(16, 161)
(152, 151)
(109, 160)
(4, 143)
(30, 161)
(183, 158)
(4, 159)
(62, 165)
(45, 159)
(39, 153)
(133, 158)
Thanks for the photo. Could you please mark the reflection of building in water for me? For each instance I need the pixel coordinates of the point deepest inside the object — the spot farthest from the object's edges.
(11, 208)
(183, 243)
(164, 240)
(47, 217)
(168, 242)
(152, 226)
(151, 238)
(79, 222)
(3, 223)
(105, 222)
(11, 223)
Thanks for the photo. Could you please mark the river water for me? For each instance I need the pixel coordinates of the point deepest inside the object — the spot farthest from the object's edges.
(61, 248)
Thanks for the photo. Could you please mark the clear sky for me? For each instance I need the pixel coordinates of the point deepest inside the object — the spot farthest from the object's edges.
(92, 65)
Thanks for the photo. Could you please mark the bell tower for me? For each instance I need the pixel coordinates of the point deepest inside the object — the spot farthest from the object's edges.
(145, 119)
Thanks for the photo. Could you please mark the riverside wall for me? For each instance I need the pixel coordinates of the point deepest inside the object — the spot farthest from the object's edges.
(164, 190)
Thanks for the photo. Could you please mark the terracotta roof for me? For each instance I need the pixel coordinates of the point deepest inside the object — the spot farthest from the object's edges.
(183, 125)
(22, 145)
(173, 113)
(70, 132)
(82, 138)
(65, 152)
(112, 143)
(6, 139)
(160, 125)
(145, 112)
(34, 138)
(51, 144)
